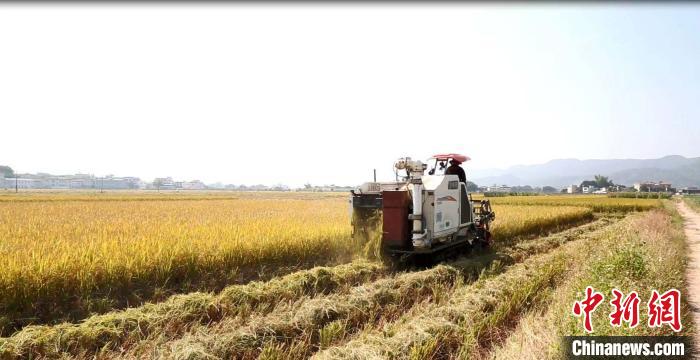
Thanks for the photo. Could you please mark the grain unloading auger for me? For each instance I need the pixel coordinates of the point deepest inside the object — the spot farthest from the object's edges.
(421, 214)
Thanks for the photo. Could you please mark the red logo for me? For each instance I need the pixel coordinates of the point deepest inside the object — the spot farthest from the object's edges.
(625, 309)
(587, 306)
(665, 309)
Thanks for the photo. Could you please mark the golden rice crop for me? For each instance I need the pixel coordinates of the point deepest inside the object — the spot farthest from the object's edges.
(178, 195)
(517, 220)
(145, 327)
(63, 256)
(63, 253)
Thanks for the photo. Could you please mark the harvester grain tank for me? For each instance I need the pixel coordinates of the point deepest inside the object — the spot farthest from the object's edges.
(421, 214)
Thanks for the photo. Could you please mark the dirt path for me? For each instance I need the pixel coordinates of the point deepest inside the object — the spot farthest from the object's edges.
(692, 232)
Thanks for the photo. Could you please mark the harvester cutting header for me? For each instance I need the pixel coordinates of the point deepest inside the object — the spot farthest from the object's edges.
(422, 214)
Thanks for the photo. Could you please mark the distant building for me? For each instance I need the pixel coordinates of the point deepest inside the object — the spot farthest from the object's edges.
(77, 181)
(23, 183)
(323, 188)
(166, 183)
(217, 185)
(499, 188)
(193, 185)
(588, 189)
(120, 183)
(650, 186)
(617, 188)
(572, 189)
(82, 181)
(690, 190)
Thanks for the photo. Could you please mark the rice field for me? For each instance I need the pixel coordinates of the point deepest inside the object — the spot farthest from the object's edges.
(511, 304)
(85, 256)
(66, 256)
(513, 221)
(140, 327)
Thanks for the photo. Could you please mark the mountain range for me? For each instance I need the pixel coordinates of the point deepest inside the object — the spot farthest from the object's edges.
(680, 171)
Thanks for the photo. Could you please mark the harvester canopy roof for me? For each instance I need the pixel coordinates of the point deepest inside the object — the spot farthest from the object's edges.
(458, 157)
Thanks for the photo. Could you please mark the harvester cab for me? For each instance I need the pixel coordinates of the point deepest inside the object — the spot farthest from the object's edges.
(421, 214)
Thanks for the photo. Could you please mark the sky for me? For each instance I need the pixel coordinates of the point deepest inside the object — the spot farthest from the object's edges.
(295, 93)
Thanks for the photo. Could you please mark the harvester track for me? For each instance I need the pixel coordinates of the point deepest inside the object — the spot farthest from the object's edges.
(465, 324)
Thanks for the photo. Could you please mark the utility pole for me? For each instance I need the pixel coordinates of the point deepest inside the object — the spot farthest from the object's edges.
(16, 186)
(375, 175)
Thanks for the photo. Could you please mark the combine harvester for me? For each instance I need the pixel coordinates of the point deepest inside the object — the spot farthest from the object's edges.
(428, 216)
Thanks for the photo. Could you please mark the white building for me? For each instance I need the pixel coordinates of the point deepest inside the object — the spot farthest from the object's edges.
(193, 185)
(499, 188)
(572, 189)
(23, 183)
(650, 186)
(122, 183)
(588, 189)
(77, 181)
(689, 190)
(164, 183)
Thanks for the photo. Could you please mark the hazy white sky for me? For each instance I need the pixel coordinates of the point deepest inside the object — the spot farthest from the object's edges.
(294, 93)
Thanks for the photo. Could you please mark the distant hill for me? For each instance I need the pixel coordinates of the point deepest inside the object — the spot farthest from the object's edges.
(678, 170)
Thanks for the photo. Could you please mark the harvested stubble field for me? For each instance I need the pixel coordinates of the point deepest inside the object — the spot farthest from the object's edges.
(469, 307)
